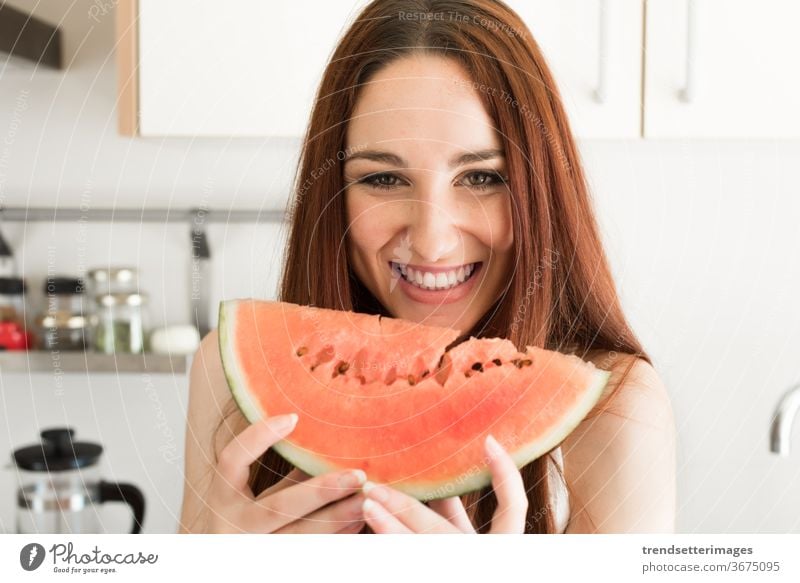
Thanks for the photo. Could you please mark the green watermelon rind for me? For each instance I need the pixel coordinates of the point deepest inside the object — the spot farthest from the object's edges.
(251, 410)
(230, 364)
(458, 485)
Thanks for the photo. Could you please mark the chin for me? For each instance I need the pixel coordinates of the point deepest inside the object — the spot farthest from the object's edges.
(443, 316)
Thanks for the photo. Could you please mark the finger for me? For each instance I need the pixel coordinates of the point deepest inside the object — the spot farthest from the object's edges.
(381, 521)
(453, 510)
(412, 513)
(237, 457)
(294, 502)
(354, 528)
(293, 477)
(509, 488)
(331, 519)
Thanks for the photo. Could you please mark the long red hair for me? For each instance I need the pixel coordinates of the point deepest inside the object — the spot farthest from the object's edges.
(560, 294)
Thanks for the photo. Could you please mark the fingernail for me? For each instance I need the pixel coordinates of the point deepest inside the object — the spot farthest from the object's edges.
(375, 492)
(352, 479)
(370, 506)
(492, 446)
(283, 422)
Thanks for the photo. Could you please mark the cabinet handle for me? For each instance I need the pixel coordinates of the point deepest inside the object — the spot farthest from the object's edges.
(602, 54)
(687, 94)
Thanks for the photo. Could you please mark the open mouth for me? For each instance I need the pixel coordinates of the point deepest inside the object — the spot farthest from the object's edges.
(440, 281)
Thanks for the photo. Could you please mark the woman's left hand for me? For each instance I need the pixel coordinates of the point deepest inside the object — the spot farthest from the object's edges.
(389, 511)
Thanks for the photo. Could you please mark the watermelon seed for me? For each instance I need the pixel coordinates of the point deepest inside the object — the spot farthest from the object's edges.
(516, 363)
(425, 373)
(301, 351)
(478, 366)
(341, 368)
(468, 373)
(497, 362)
(411, 380)
(526, 362)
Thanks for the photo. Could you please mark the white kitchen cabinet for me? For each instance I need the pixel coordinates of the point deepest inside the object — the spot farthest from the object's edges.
(742, 74)
(592, 45)
(233, 68)
(709, 68)
(250, 68)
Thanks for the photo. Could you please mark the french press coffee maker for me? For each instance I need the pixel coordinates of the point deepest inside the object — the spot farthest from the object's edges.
(60, 491)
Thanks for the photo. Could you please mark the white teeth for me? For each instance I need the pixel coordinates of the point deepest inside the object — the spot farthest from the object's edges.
(429, 280)
(438, 281)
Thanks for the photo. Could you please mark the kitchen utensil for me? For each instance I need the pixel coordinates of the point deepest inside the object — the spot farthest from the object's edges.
(60, 490)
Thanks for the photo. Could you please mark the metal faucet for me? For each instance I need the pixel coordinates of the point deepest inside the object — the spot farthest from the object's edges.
(785, 414)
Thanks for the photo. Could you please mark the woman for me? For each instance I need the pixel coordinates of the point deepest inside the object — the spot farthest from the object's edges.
(439, 182)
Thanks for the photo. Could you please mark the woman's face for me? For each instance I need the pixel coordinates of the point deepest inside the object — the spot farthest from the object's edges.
(428, 209)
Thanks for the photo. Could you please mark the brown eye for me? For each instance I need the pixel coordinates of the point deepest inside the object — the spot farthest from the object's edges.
(383, 180)
(482, 179)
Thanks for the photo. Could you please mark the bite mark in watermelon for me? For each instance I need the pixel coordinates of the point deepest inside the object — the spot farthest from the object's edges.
(385, 395)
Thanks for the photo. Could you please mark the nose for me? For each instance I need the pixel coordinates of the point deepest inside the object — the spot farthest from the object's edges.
(434, 228)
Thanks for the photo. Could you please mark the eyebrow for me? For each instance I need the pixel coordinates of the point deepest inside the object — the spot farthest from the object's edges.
(395, 160)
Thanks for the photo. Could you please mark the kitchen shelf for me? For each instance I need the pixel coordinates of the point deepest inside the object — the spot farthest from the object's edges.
(32, 361)
(195, 218)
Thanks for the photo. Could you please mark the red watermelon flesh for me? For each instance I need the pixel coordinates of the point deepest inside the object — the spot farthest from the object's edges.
(384, 395)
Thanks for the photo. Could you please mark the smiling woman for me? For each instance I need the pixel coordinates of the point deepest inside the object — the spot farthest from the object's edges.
(429, 213)
(456, 198)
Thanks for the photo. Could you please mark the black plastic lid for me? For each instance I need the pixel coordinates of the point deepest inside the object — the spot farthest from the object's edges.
(57, 452)
(63, 286)
(12, 285)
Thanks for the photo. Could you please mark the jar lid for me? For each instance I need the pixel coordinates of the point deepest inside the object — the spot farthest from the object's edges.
(12, 285)
(62, 319)
(63, 286)
(57, 452)
(113, 274)
(121, 299)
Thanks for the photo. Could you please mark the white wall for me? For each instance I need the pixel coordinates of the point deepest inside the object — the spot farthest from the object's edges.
(702, 237)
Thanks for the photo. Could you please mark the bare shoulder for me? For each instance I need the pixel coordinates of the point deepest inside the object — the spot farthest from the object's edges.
(210, 399)
(640, 391)
(212, 421)
(620, 460)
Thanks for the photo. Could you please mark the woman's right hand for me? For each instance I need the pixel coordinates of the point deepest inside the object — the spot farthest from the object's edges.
(293, 505)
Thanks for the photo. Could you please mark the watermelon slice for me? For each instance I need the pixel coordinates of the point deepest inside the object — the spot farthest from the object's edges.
(384, 394)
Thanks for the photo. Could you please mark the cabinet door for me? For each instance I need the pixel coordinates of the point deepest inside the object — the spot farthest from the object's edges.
(742, 73)
(591, 45)
(239, 67)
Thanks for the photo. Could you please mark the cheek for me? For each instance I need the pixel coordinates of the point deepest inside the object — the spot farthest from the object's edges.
(370, 224)
(495, 224)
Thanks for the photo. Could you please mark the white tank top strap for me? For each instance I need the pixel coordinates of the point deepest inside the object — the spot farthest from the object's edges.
(559, 498)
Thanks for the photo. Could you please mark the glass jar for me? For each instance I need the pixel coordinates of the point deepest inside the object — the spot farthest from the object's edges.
(107, 280)
(63, 325)
(112, 280)
(12, 299)
(119, 325)
(13, 333)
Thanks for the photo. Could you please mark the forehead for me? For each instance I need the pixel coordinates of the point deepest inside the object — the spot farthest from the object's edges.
(421, 99)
